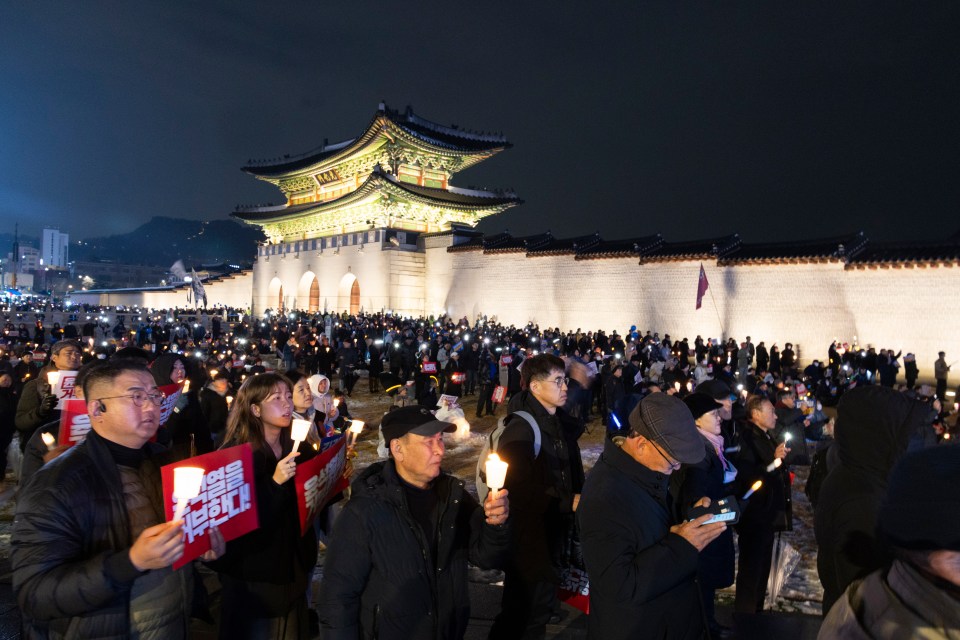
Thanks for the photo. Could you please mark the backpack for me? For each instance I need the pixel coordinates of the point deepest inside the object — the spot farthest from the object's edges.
(493, 441)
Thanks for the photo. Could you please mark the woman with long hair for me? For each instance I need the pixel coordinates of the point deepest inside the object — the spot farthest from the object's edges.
(265, 572)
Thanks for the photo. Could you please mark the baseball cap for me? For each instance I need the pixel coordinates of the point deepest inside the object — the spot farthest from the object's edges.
(418, 420)
(666, 420)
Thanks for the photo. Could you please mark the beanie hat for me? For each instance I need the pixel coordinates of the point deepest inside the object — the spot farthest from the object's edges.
(922, 507)
(666, 420)
(700, 403)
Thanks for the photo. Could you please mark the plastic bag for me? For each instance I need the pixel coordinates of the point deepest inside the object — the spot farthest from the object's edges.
(784, 560)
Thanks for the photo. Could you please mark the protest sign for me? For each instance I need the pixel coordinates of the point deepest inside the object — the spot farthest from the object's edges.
(499, 394)
(63, 388)
(227, 499)
(171, 393)
(319, 479)
(429, 367)
(74, 422)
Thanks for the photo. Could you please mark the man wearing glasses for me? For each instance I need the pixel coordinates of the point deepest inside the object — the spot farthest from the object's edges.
(544, 492)
(642, 565)
(91, 551)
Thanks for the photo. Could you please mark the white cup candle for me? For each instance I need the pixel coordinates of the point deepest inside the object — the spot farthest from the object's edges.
(356, 427)
(298, 432)
(496, 473)
(48, 439)
(53, 377)
(186, 386)
(186, 486)
(756, 485)
(774, 465)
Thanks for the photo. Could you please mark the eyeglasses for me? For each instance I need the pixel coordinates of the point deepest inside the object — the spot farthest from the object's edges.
(139, 397)
(673, 465)
(560, 382)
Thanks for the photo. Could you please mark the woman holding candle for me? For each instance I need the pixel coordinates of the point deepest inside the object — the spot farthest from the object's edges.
(709, 477)
(265, 573)
(303, 407)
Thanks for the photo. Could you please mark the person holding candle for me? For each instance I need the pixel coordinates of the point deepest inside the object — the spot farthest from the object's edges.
(768, 510)
(545, 489)
(641, 560)
(38, 403)
(186, 430)
(91, 553)
(265, 572)
(396, 566)
(711, 477)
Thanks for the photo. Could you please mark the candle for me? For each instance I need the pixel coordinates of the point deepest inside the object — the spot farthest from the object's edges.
(53, 377)
(496, 473)
(186, 386)
(356, 426)
(229, 400)
(213, 373)
(186, 486)
(48, 439)
(787, 437)
(299, 431)
(774, 465)
(756, 485)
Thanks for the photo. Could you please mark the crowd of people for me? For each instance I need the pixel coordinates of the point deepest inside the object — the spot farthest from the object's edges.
(690, 428)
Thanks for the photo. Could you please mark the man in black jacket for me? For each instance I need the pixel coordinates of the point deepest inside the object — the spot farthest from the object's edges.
(642, 565)
(544, 490)
(75, 572)
(768, 510)
(396, 566)
(38, 403)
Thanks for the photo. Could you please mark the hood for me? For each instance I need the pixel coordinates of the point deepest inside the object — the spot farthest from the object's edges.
(874, 427)
(163, 365)
(314, 383)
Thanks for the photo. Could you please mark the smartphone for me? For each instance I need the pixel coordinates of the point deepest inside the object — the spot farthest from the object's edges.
(724, 510)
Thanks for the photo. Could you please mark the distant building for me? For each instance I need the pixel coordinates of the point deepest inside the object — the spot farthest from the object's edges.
(29, 259)
(55, 249)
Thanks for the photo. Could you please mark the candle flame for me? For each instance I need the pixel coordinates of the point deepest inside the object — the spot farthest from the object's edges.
(756, 485)
(48, 439)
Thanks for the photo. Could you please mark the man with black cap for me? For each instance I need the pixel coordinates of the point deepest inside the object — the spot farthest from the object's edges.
(642, 564)
(397, 563)
(919, 595)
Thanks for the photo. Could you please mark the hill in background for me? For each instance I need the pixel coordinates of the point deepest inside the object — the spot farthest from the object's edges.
(162, 241)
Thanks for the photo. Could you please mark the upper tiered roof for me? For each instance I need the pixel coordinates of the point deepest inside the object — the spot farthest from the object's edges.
(393, 127)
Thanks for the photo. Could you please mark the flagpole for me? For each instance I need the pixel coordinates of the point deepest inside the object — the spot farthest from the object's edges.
(715, 308)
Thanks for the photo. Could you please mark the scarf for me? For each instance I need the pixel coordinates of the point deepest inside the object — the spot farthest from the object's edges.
(729, 471)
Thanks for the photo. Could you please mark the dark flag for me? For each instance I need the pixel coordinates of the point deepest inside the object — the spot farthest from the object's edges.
(702, 286)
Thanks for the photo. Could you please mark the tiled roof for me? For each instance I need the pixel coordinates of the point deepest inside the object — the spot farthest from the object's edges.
(908, 254)
(839, 249)
(376, 180)
(446, 137)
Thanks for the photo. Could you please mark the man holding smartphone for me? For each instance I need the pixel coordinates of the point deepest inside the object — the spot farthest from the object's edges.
(642, 563)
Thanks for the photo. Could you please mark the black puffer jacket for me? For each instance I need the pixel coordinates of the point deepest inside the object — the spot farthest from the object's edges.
(542, 488)
(70, 547)
(642, 576)
(379, 581)
(874, 428)
(771, 507)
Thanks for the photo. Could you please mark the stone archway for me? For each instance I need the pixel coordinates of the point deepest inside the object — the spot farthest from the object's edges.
(275, 294)
(308, 292)
(348, 295)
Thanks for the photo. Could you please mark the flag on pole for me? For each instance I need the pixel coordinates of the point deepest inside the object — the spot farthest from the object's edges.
(702, 286)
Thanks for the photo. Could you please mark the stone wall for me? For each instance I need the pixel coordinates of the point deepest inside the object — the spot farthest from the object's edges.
(230, 291)
(909, 309)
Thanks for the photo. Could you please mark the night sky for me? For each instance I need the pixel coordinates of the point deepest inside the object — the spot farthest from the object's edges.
(774, 120)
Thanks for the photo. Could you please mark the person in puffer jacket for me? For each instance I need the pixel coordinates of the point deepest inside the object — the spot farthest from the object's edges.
(396, 567)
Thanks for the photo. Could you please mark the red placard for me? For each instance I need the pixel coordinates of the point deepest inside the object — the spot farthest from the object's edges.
(428, 367)
(499, 394)
(171, 393)
(506, 359)
(319, 479)
(74, 422)
(64, 389)
(458, 378)
(228, 499)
